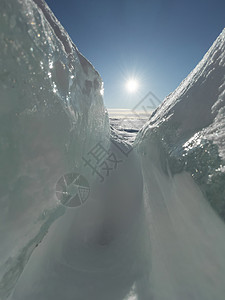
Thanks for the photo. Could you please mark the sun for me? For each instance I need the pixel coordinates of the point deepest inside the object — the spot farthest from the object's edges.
(132, 85)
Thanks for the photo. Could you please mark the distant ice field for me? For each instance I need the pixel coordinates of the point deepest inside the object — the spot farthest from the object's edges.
(128, 122)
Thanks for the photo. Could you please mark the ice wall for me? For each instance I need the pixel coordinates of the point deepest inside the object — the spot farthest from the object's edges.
(182, 155)
(188, 129)
(51, 112)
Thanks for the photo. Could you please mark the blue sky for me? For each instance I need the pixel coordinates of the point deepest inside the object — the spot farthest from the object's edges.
(157, 41)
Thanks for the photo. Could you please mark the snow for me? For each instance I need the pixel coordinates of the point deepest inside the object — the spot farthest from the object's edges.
(186, 237)
(127, 122)
(153, 228)
(99, 251)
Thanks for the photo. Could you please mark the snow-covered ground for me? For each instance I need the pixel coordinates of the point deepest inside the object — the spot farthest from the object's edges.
(127, 122)
(152, 226)
(186, 237)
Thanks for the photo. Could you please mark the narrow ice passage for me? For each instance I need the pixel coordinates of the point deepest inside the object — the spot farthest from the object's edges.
(148, 231)
(133, 240)
(99, 251)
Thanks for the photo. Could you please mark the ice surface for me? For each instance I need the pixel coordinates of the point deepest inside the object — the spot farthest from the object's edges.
(186, 237)
(98, 252)
(181, 148)
(189, 126)
(51, 113)
(147, 231)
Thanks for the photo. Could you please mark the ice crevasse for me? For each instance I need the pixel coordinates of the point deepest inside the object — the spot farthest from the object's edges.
(155, 228)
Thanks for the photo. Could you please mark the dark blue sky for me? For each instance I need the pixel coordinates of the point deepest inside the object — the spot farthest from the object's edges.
(158, 41)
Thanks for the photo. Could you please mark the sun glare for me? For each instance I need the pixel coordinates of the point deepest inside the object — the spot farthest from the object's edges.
(132, 85)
